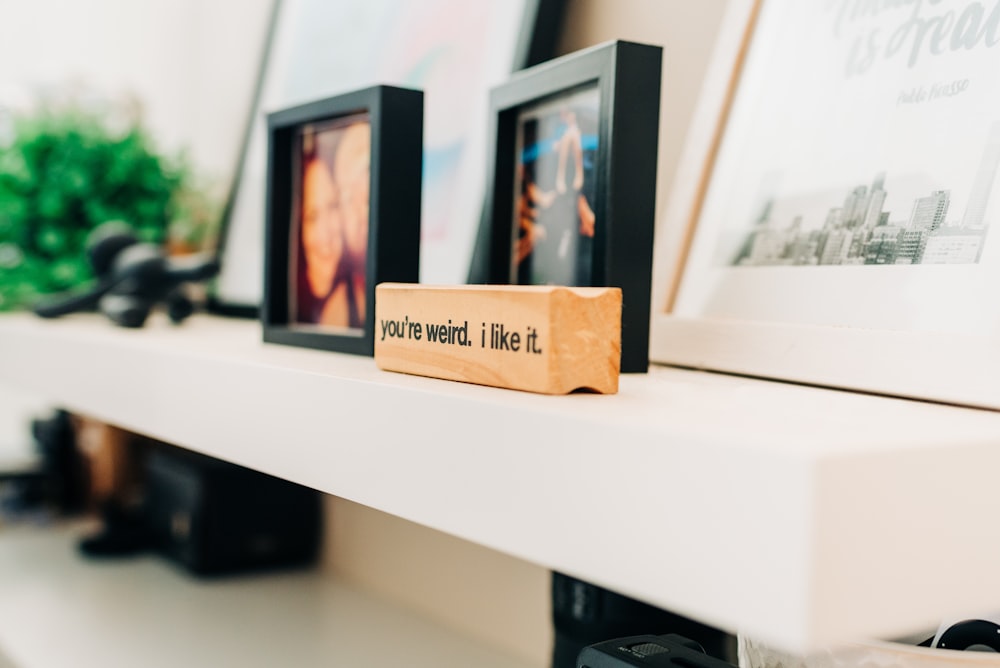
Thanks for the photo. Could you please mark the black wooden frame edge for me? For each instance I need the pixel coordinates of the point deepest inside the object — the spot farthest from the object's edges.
(534, 46)
(627, 75)
(396, 118)
(633, 168)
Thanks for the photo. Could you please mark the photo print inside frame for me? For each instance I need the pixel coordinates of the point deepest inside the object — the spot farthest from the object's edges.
(555, 189)
(572, 193)
(343, 214)
(329, 244)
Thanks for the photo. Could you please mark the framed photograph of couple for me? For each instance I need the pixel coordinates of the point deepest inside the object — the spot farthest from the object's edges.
(343, 214)
(831, 222)
(571, 196)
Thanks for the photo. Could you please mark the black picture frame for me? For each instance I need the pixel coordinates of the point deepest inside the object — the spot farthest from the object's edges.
(396, 119)
(626, 76)
(535, 41)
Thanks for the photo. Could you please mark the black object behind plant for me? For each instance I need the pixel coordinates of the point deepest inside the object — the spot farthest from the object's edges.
(648, 651)
(584, 614)
(132, 279)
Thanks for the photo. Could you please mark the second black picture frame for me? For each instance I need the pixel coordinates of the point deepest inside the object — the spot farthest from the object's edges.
(571, 195)
(343, 214)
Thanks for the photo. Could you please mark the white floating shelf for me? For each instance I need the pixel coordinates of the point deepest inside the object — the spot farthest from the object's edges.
(58, 609)
(798, 515)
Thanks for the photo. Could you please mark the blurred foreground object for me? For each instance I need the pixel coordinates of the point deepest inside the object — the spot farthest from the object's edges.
(67, 168)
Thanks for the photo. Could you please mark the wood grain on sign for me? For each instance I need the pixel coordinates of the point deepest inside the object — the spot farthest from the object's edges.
(546, 339)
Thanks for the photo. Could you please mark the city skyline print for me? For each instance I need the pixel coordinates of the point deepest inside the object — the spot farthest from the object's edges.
(844, 231)
(851, 196)
(858, 228)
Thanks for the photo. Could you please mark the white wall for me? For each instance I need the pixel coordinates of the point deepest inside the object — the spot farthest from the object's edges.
(192, 63)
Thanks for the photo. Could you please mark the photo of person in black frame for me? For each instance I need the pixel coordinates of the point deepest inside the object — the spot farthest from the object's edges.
(343, 214)
(593, 114)
(554, 189)
(330, 230)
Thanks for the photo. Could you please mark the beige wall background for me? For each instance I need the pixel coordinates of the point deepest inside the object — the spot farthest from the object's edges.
(686, 30)
(193, 62)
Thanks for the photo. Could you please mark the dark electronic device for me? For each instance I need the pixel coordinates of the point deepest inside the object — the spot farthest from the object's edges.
(214, 517)
(132, 278)
(62, 465)
(666, 651)
(975, 635)
(22, 493)
(583, 614)
(57, 483)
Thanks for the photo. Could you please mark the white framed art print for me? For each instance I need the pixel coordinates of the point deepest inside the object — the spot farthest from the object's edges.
(839, 220)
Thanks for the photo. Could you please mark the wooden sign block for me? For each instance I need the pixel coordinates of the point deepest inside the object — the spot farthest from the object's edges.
(544, 339)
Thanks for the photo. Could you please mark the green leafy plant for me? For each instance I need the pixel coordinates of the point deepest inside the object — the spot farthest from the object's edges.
(65, 171)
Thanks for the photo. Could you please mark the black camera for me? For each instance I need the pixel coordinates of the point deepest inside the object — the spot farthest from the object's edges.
(667, 651)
